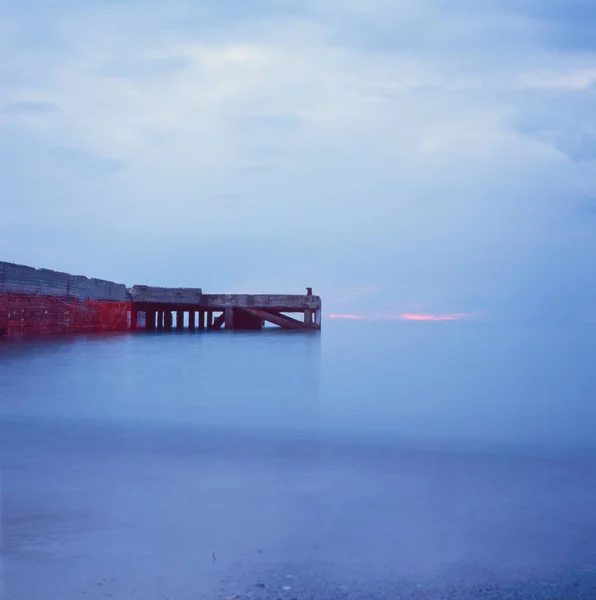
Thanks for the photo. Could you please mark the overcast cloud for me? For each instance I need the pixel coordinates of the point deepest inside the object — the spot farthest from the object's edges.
(398, 156)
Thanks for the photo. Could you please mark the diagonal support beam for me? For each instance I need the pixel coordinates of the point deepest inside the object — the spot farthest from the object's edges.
(219, 321)
(279, 319)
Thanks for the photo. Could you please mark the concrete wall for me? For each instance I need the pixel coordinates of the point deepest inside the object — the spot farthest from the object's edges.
(280, 302)
(107, 290)
(20, 279)
(160, 295)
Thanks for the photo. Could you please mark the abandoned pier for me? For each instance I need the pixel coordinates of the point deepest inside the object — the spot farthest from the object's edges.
(165, 308)
(41, 301)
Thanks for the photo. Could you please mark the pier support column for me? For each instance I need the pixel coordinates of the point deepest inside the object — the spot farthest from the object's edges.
(191, 320)
(150, 320)
(209, 319)
(160, 316)
(168, 320)
(201, 319)
(179, 319)
(318, 318)
(133, 318)
(229, 318)
(308, 317)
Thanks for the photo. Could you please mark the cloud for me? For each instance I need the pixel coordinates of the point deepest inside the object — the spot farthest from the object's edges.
(84, 163)
(29, 107)
(432, 150)
(578, 79)
(145, 67)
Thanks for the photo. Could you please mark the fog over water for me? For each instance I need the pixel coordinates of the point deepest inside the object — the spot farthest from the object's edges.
(365, 460)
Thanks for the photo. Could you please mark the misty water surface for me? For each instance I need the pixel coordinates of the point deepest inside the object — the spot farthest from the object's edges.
(368, 460)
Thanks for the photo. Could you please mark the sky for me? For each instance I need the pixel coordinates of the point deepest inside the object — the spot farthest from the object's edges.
(431, 157)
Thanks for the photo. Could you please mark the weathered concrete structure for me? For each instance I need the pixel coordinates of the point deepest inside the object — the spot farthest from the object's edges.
(231, 311)
(20, 279)
(44, 301)
(161, 295)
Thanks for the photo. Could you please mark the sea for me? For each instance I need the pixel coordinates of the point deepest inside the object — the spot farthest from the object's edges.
(400, 460)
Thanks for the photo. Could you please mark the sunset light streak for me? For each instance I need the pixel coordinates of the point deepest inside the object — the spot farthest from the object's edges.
(454, 317)
(402, 317)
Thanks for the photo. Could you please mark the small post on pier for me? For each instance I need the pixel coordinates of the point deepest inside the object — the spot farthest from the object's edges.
(308, 311)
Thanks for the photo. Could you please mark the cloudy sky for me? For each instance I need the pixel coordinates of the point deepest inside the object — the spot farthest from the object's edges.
(433, 156)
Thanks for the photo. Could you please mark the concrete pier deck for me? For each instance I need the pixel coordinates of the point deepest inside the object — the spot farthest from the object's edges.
(154, 308)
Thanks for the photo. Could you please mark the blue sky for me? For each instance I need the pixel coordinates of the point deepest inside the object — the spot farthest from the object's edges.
(398, 156)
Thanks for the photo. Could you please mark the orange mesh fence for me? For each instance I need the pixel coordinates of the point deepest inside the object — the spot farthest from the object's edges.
(32, 315)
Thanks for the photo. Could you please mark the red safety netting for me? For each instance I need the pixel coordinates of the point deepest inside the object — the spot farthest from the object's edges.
(33, 315)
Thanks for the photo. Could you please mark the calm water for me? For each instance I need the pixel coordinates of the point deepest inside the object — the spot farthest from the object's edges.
(410, 460)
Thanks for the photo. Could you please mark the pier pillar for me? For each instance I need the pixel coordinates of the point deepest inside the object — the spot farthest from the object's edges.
(318, 318)
(201, 319)
(168, 320)
(179, 319)
(308, 317)
(150, 320)
(191, 319)
(229, 318)
(133, 318)
(209, 319)
(160, 315)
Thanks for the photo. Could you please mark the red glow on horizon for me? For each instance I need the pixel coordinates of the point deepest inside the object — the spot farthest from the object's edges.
(414, 317)
(402, 317)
